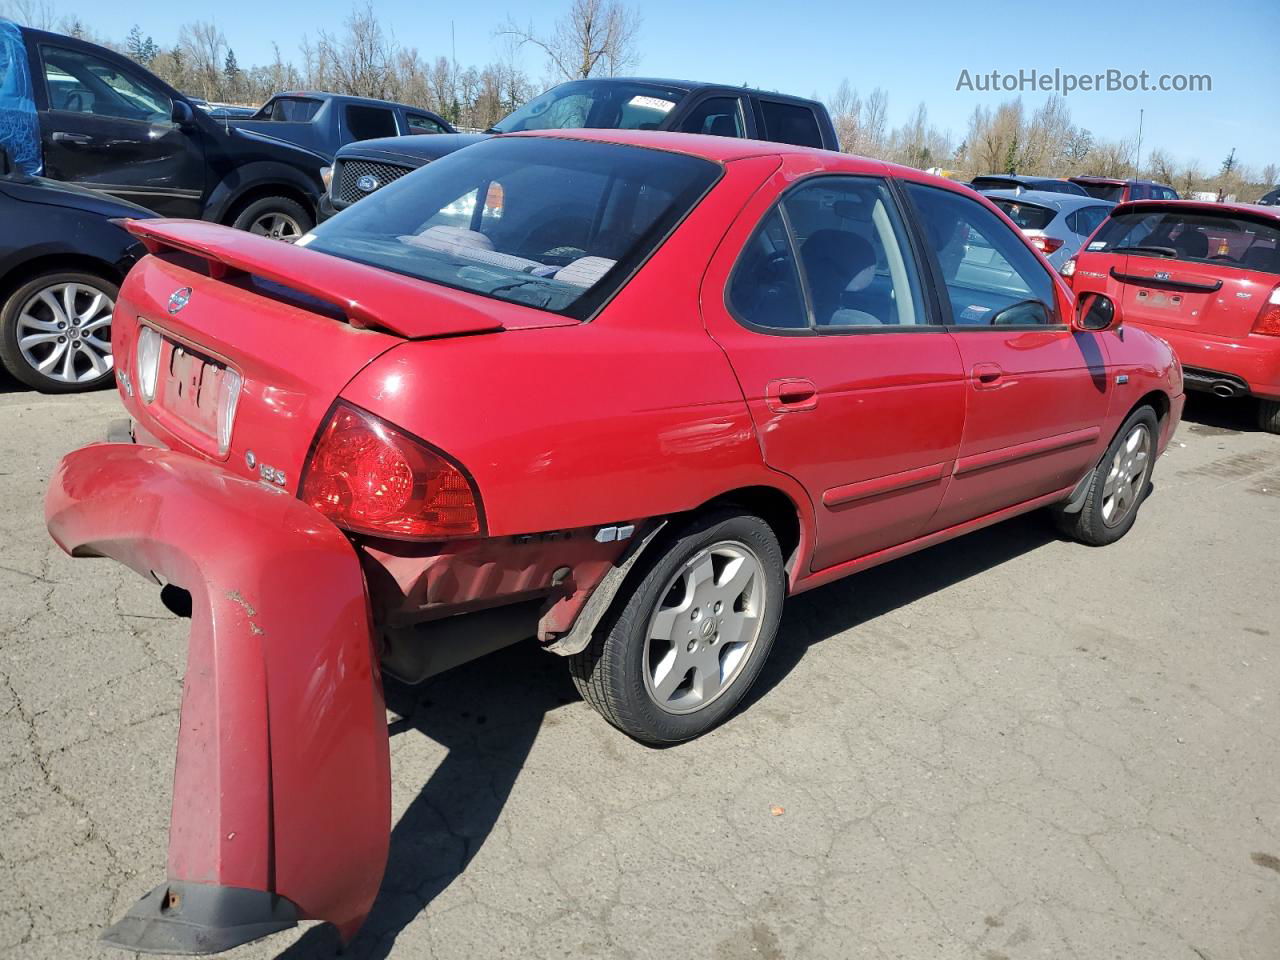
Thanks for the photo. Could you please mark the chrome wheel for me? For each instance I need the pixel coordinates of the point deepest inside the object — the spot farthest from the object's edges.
(277, 226)
(64, 332)
(1122, 487)
(705, 627)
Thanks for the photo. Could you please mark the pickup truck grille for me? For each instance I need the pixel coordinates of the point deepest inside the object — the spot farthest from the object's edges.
(350, 172)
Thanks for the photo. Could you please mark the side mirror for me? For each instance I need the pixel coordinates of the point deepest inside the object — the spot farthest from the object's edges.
(1095, 313)
(182, 114)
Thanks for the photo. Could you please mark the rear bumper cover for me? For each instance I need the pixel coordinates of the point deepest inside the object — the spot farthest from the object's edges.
(1254, 359)
(281, 794)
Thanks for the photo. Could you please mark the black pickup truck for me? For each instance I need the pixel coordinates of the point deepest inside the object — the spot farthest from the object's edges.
(613, 103)
(323, 122)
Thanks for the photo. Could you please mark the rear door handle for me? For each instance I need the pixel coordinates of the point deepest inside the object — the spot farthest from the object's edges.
(61, 136)
(791, 395)
(987, 376)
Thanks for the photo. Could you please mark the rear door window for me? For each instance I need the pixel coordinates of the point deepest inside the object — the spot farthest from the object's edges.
(790, 123)
(365, 123)
(717, 116)
(842, 239)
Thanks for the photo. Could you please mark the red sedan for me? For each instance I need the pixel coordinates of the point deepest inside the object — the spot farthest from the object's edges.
(623, 392)
(1206, 278)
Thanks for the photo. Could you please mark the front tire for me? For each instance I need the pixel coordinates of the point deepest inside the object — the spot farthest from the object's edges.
(1119, 483)
(55, 332)
(683, 647)
(1269, 415)
(278, 218)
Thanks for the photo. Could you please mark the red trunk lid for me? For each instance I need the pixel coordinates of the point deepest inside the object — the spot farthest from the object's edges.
(293, 325)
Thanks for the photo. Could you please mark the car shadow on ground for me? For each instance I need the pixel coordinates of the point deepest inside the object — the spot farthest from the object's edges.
(1209, 415)
(487, 714)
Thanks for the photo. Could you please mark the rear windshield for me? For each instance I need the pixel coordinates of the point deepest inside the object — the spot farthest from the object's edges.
(994, 183)
(1028, 216)
(553, 224)
(612, 105)
(1103, 191)
(1198, 237)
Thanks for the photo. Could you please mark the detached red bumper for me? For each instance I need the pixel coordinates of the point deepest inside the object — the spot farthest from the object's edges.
(281, 794)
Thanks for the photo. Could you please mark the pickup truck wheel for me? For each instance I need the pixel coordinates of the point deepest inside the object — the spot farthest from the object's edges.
(55, 332)
(276, 217)
(685, 645)
(1119, 483)
(1269, 415)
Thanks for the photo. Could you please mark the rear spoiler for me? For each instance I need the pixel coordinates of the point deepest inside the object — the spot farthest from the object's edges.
(367, 296)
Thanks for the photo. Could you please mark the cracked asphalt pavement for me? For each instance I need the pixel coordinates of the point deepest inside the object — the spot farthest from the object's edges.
(1005, 747)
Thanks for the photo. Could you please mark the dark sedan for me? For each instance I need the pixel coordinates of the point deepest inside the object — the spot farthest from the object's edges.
(62, 259)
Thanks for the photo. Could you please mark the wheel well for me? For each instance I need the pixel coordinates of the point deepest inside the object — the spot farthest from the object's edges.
(772, 506)
(267, 190)
(1158, 401)
(52, 263)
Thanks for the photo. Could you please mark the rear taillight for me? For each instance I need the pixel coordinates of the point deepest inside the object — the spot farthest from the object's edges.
(369, 477)
(1069, 268)
(1045, 245)
(1268, 322)
(148, 357)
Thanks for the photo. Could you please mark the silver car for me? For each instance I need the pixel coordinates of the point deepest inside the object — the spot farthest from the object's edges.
(1057, 223)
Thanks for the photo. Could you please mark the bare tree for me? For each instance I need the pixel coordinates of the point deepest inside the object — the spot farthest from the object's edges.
(360, 62)
(1160, 166)
(38, 14)
(204, 49)
(1269, 175)
(594, 37)
(845, 107)
(875, 123)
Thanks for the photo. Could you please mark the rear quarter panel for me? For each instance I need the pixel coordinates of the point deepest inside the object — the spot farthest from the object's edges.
(635, 413)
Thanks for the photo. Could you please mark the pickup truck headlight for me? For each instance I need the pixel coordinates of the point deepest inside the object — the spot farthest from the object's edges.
(326, 177)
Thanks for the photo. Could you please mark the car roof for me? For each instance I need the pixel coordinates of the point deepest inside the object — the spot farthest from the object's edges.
(1253, 210)
(1015, 177)
(689, 86)
(346, 98)
(1115, 181)
(728, 149)
(719, 149)
(1050, 198)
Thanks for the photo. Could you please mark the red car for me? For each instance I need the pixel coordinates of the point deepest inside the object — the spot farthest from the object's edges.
(1206, 278)
(620, 391)
(1117, 190)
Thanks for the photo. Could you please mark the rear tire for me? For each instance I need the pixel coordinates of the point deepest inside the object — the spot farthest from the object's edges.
(682, 647)
(279, 218)
(55, 331)
(1269, 415)
(1119, 483)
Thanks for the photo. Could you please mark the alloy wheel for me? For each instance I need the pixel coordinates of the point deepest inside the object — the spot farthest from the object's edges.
(277, 226)
(1122, 487)
(64, 332)
(705, 627)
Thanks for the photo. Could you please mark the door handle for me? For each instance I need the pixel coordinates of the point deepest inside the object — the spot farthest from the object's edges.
(61, 136)
(791, 395)
(987, 376)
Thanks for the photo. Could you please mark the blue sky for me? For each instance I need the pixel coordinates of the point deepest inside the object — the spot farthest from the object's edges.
(914, 50)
